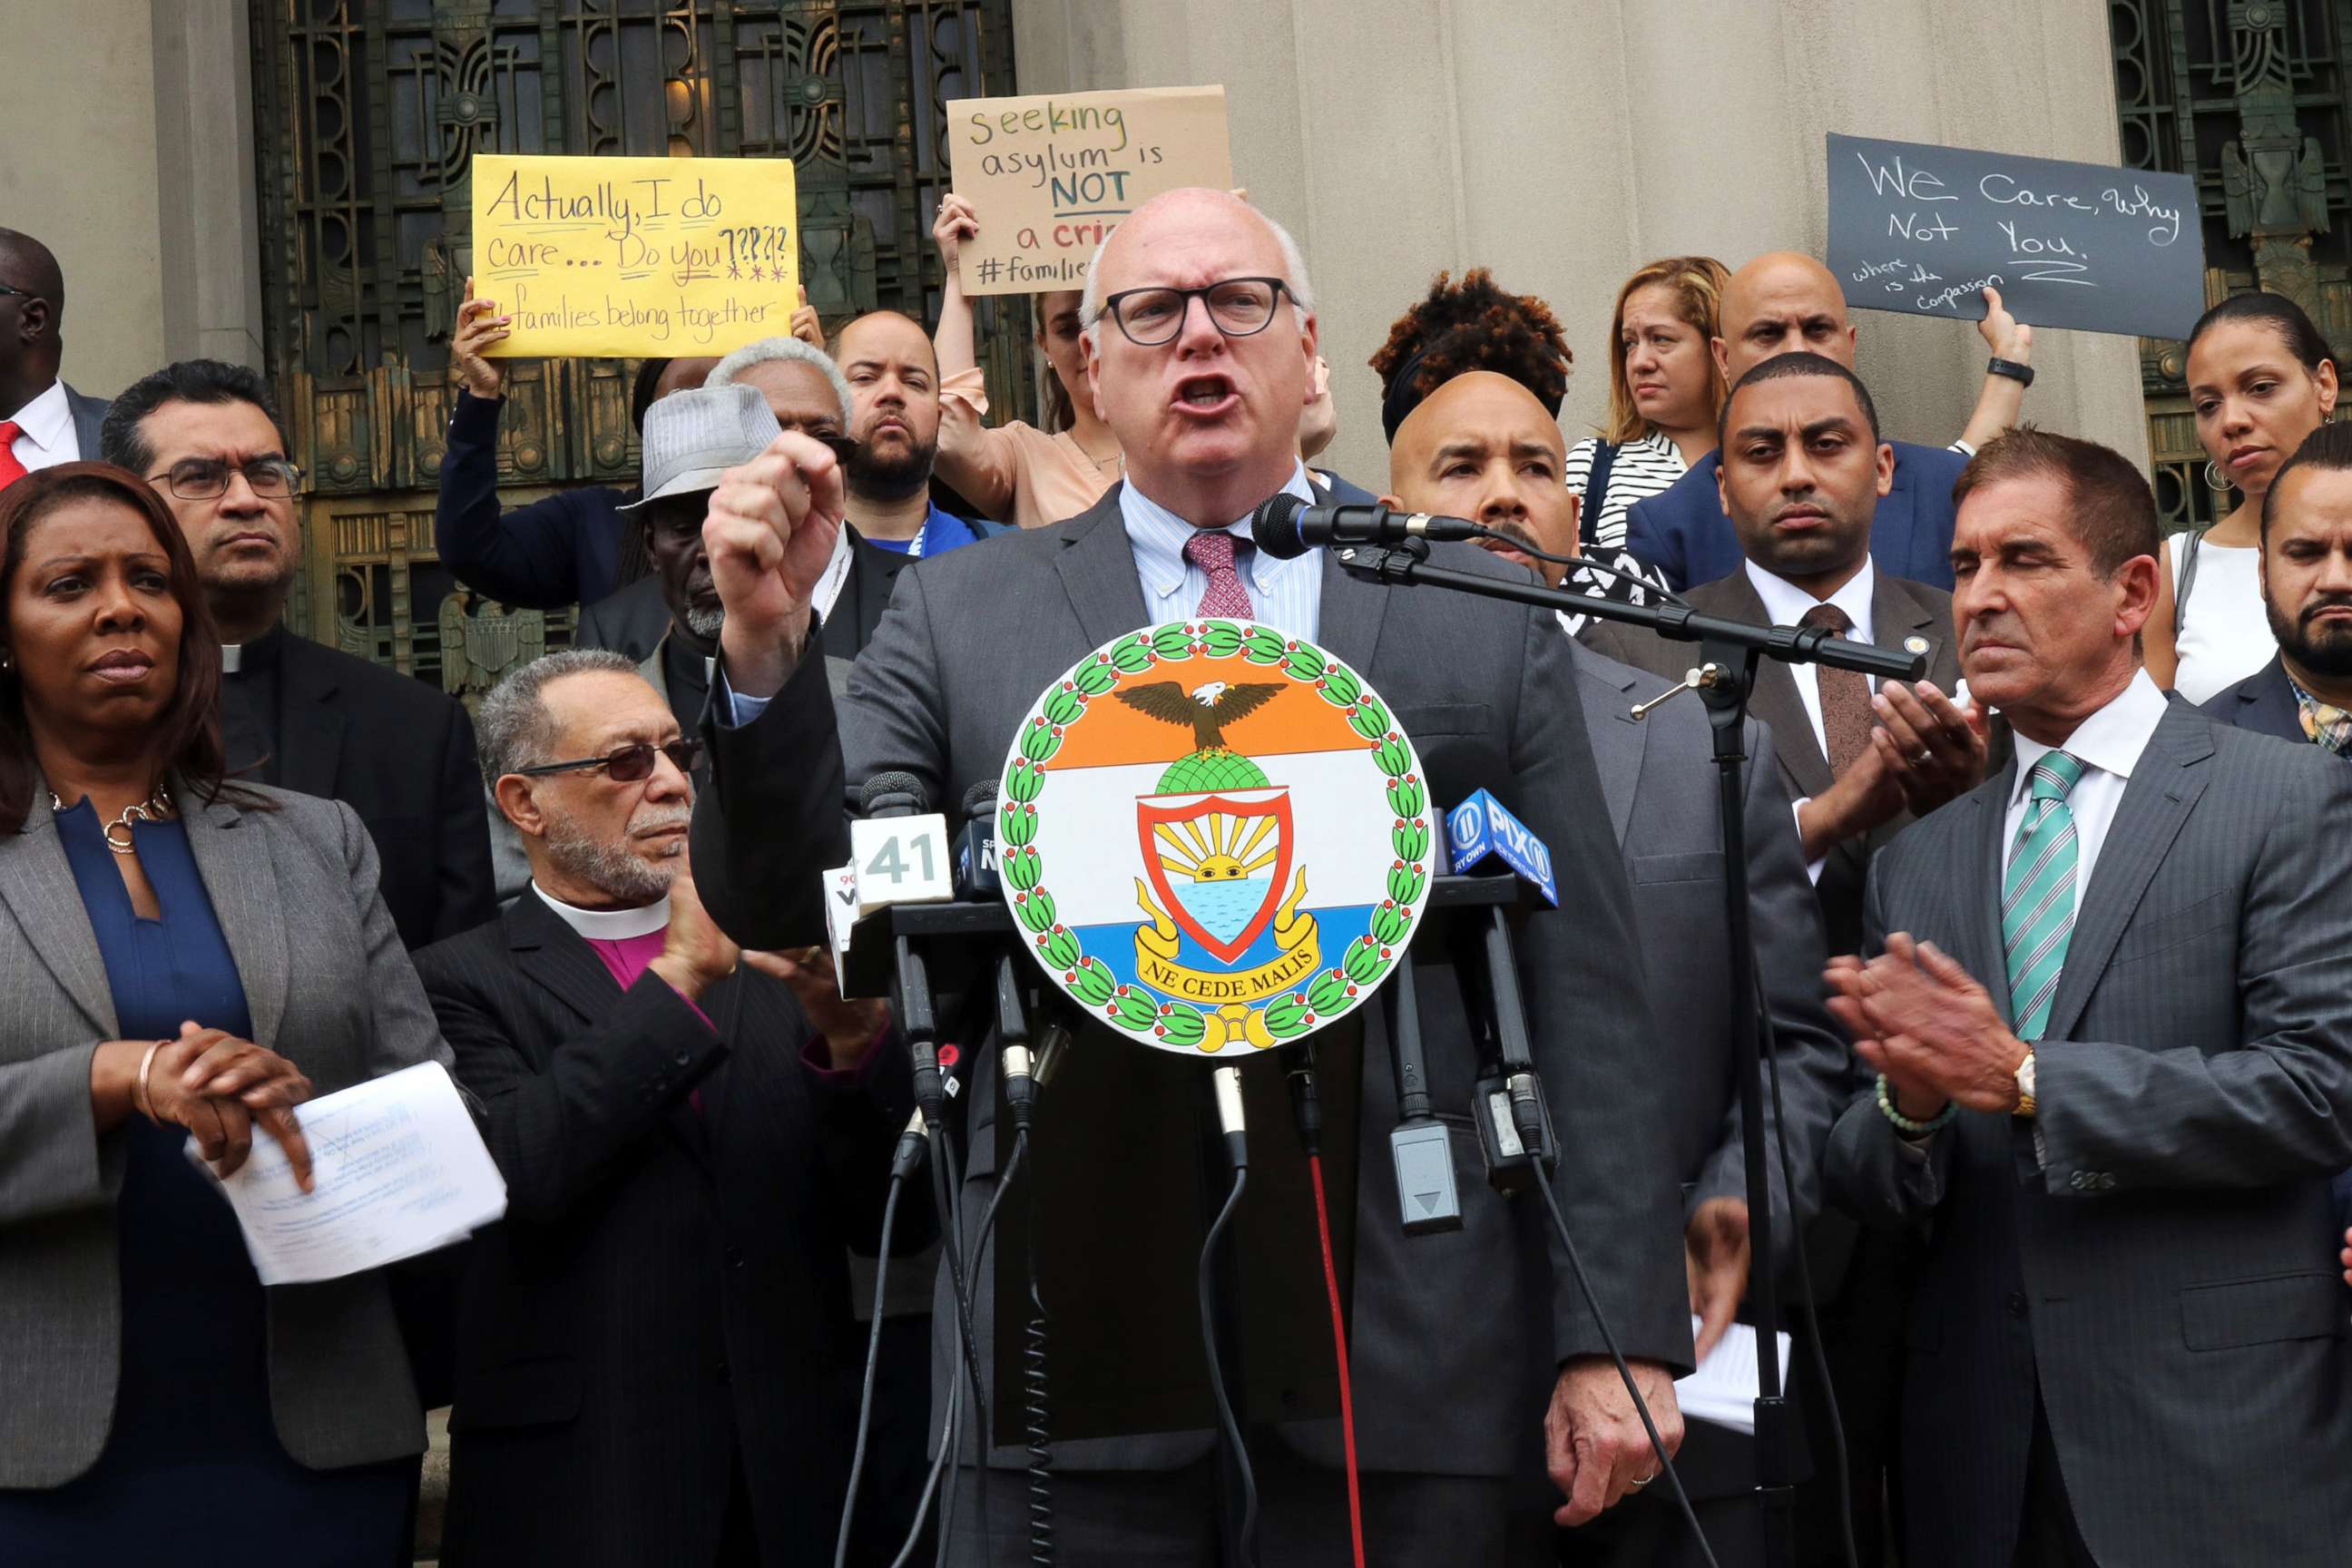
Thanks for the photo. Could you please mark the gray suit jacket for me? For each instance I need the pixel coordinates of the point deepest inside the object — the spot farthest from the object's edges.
(88, 419)
(329, 987)
(1658, 775)
(1443, 1357)
(2163, 1266)
(1898, 610)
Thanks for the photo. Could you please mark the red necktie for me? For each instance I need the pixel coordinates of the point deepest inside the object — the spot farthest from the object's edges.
(1212, 550)
(11, 470)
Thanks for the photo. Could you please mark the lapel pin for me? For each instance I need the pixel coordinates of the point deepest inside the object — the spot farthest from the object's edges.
(1914, 644)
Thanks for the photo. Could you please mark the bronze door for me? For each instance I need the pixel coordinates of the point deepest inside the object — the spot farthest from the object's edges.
(367, 115)
(2249, 97)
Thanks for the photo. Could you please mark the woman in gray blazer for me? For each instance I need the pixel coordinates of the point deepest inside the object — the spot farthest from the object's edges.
(179, 958)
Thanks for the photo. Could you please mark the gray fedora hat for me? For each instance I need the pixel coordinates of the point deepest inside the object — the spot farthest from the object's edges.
(692, 438)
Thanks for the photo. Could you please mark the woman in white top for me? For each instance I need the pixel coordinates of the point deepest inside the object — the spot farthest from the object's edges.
(2261, 379)
(1664, 387)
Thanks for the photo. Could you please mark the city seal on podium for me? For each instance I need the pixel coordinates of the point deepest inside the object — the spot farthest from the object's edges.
(1247, 795)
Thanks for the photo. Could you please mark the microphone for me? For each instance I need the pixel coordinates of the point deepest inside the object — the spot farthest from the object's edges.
(975, 849)
(1284, 526)
(898, 850)
(1514, 1123)
(1480, 829)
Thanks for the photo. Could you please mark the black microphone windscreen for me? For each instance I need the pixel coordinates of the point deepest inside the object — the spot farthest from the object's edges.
(882, 786)
(980, 800)
(1273, 526)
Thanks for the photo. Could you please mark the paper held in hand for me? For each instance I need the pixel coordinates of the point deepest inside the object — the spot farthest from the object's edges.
(398, 1170)
(1722, 1389)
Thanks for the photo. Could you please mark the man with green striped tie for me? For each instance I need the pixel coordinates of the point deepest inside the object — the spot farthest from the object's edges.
(2108, 995)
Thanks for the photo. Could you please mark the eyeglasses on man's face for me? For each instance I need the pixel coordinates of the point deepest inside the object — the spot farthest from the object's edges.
(627, 765)
(207, 479)
(1237, 307)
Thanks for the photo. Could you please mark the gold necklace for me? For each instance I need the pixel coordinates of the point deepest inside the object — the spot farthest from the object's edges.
(153, 808)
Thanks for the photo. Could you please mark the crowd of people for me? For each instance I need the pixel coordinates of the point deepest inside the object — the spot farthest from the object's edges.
(2050, 943)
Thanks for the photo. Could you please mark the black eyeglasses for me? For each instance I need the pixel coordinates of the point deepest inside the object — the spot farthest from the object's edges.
(11, 288)
(205, 479)
(628, 765)
(1237, 307)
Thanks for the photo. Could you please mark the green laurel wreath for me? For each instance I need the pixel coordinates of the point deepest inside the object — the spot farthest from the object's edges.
(1368, 959)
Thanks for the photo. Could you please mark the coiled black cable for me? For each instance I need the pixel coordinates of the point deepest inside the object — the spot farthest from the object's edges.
(873, 1360)
(1038, 1429)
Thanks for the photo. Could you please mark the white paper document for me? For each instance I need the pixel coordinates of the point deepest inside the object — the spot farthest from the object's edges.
(397, 1169)
(1722, 1389)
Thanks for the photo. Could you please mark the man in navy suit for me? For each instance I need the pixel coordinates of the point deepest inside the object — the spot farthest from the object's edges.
(2305, 694)
(1785, 303)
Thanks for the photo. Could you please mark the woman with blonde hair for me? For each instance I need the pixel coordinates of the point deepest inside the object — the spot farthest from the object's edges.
(1665, 388)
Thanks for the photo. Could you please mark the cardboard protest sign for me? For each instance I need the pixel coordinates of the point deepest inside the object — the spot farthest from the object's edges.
(1924, 229)
(1049, 176)
(637, 256)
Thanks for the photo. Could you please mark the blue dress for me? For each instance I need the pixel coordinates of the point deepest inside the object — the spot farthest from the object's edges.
(193, 1473)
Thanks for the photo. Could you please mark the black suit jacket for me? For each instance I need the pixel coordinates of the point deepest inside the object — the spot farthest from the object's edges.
(1900, 610)
(631, 622)
(2262, 703)
(1442, 1356)
(401, 754)
(88, 420)
(667, 1297)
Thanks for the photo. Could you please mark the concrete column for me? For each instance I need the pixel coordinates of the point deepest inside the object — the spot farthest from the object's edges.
(1563, 145)
(208, 211)
(77, 121)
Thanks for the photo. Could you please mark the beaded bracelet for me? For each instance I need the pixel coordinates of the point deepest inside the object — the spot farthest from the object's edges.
(1904, 1124)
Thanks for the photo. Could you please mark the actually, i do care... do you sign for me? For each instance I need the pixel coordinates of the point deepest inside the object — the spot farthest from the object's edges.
(1924, 230)
(615, 256)
(1048, 177)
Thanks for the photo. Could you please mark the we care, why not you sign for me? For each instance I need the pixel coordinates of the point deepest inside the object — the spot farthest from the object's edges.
(637, 256)
(1048, 177)
(1924, 230)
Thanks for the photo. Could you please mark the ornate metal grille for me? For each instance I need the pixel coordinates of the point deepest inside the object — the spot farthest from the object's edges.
(2249, 96)
(368, 112)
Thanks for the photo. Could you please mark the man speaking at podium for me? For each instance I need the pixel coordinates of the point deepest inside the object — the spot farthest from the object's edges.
(1201, 340)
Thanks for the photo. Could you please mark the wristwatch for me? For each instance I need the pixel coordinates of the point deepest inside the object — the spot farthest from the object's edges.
(2025, 1103)
(2021, 373)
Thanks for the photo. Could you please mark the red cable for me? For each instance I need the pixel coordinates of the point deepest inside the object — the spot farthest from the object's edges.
(1339, 1345)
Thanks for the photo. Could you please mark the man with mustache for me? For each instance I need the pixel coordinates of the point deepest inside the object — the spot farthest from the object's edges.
(297, 714)
(2108, 998)
(688, 1146)
(1802, 471)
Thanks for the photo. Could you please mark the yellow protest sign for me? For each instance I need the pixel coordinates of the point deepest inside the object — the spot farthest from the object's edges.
(1048, 176)
(635, 256)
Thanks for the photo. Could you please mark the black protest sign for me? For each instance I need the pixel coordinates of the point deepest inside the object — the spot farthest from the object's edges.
(1924, 229)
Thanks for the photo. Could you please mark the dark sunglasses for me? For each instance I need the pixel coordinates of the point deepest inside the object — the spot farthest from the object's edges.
(629, 765)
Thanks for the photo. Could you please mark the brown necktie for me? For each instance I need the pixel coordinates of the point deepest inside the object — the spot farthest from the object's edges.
(1845, 696)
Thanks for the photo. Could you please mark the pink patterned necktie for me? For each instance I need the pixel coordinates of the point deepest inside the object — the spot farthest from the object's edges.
(1212, 550)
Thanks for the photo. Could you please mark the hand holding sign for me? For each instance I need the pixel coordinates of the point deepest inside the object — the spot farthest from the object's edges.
(479, 326)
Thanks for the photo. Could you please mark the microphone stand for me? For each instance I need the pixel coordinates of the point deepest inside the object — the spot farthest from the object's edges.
(1729, 654)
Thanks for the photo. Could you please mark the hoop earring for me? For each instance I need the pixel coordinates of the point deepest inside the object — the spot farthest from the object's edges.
(2214, 478)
